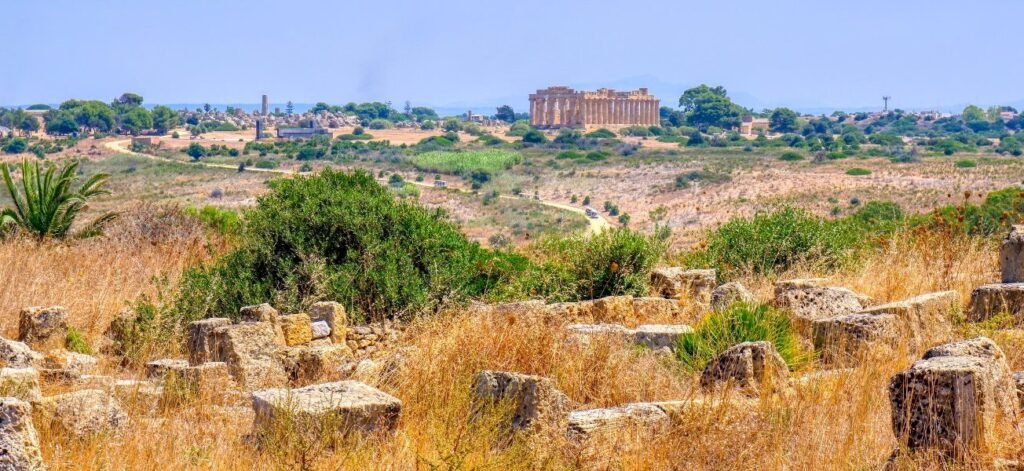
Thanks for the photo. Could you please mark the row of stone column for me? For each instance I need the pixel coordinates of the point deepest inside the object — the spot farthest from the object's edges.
(556, 111)
(621, 111)
(575, 111)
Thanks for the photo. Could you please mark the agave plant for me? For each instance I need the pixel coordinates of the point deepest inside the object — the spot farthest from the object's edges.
(47, 204)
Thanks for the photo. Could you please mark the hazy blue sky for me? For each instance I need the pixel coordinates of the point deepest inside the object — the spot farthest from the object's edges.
(804, 54)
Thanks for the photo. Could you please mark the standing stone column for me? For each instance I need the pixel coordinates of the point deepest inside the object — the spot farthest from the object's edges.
(533, 111)
(635, 112)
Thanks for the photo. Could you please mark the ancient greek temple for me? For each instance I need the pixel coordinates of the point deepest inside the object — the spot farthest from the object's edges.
(556, 107)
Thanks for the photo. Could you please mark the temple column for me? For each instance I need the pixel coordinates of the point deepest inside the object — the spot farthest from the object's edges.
(607, 111)
(634, 112)
(533, 111)
(549, 107)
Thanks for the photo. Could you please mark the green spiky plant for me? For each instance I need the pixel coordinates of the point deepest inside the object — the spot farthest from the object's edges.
(46, 205)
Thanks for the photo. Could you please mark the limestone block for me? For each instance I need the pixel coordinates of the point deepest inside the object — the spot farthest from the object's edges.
(806, 305)
(157, 369)
(79, 363)
(43, 328)
(655, 308)
(751, 367)
(334, 315)
(340, 407)
(656, 336)
(584, 425)
(733, 292)
(19, 443)
(846, 340)
(297, 329)
(17, 354)
(201, 346)
(924, 320)
(536, 400)
(308, 364)
(958, 397)
(782, 286)
(321, 330)
(990, 300)
(250, 350)
(81, 413)
(21, 383)
(677, 282)
(259, 313)
(612, 309)
(1011, 256)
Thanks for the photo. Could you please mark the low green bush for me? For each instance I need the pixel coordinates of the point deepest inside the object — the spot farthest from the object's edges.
(966, 164)
(737, 324)
(774, 241)
(342, 237)
(858, 172)
(790, 157)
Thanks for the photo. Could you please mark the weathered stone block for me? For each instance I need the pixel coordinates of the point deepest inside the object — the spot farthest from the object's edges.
(612, 309)
(43, 328)
(334, 315)
(655, 308)
(308, 364)
(677, 282)
(1011, 256)
(201, 346)
(585, 332)
(846, 340)
(19, 443)
(321, 330)
(75, 362)
(924, 320)
(751, 367)
(18, 355)
(157, 369)
(806, 305)
(536, 400)
(1018, 380)
(782, 286)
(81, 413)
(340, 407)
(733, 292)
(297, 329)
(135, 395)
(656, 336)
(960, 397)
(592, 423)
(250, 350)
(22, 383)
(259, 313)
(990, 300)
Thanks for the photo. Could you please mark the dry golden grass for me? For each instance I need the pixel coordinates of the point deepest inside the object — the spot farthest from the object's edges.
(838, 420)
(95, 278)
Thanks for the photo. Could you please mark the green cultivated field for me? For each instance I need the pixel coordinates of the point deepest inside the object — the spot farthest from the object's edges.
(491, 161)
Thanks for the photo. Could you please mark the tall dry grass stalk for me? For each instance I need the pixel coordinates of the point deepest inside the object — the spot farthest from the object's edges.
(96, 278)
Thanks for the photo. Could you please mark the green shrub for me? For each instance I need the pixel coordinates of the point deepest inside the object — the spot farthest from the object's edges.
(75, 342)
(266, 164)
(534, 136)
(570, 155)
(966, 164)
(858, 172)
(613, 262)
(993, 217)
(337, 236)
(737, 324)
(774, 241)
(492, 161)
(790, 157)
(601, 133)
(380, 124)
(222, 220)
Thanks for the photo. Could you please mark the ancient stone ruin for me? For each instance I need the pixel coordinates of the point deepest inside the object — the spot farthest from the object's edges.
(562, 106)
(1006, 297)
